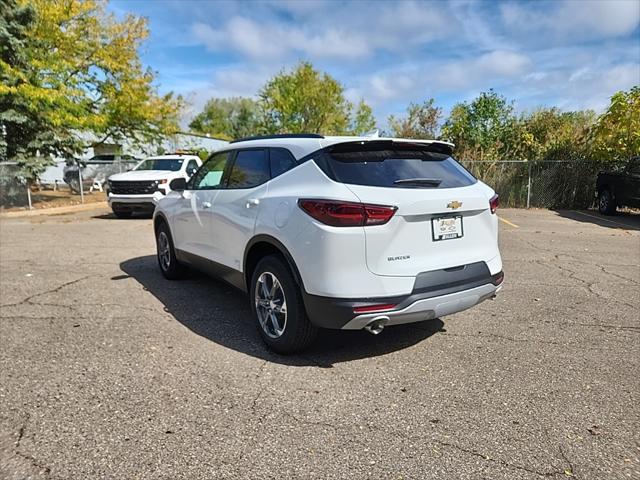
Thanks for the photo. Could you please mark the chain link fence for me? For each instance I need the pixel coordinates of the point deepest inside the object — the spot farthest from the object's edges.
(71, 180)
(520, 183)
(543, 184)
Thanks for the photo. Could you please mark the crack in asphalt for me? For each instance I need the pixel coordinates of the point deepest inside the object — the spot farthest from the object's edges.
(30, 298)
(613, 327)
(443, 443)
(21, 430)
(35, 463)
(254, 402)
(589, 286)
(571, 469)
(604, 270)
(503, 337)
(499, 461)
(43, 468)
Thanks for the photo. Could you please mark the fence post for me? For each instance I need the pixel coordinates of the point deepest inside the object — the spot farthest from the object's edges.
(29, 196)
(80, 181)
(529, 185)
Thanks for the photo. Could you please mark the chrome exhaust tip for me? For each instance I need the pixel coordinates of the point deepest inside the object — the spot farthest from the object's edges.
(376, 325)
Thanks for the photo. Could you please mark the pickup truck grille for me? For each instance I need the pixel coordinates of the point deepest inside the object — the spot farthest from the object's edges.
(133, 188)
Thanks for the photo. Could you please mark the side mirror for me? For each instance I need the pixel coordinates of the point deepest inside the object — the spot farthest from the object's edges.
(178, 184)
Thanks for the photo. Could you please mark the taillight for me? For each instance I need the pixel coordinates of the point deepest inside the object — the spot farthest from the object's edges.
(346, 214)
(493, 203)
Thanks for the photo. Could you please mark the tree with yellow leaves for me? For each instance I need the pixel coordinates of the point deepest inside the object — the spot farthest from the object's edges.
(68, 68)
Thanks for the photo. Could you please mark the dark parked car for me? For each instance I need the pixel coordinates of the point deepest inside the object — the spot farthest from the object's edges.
(619, 188)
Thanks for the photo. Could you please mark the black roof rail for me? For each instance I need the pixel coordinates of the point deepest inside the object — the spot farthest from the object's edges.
(281, 135)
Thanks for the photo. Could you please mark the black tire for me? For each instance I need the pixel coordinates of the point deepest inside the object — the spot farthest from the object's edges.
(122, 213)
(74, 183)
(606, 203)
(297, 331)
(169, 265)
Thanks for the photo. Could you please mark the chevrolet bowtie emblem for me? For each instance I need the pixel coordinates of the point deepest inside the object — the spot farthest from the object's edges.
(454, 205)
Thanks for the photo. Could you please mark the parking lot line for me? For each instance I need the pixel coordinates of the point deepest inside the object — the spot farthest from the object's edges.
(508, 222)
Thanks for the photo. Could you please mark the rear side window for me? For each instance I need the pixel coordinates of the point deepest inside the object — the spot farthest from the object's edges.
(402, 167)
(281, 160)
(250, 169)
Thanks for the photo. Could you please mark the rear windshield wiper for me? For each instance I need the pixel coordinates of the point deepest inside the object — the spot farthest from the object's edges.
(431, 182)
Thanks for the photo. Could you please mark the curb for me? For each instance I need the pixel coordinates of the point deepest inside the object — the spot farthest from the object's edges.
(55, 210)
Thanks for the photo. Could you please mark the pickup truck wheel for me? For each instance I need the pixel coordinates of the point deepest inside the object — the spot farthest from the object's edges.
(169, 265)
(74, 183)
(606, 203)
(276, 303)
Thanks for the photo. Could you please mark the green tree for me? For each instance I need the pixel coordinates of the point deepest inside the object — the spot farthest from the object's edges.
(421, 121)
(73, 69)
(616, 136)
(485, 128)
(550, 134)
(23, 130)
(307, 101)
(228, 118)
(363, 119)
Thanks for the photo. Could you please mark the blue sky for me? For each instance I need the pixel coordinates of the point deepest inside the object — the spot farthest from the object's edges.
(570, 54)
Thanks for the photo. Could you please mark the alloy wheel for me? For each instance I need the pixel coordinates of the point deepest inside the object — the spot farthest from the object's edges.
(164, 251)
(271, 305)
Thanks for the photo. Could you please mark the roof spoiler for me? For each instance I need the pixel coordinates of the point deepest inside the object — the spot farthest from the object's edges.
(281, 135)
(435, 146)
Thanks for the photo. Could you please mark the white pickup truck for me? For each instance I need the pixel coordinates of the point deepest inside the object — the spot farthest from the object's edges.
(139, 189)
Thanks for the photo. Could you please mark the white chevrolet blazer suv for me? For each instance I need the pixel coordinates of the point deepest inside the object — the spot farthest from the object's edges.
(140, 188)
(335, 232)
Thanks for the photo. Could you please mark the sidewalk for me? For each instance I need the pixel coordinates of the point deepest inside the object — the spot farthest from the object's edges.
(55, 210)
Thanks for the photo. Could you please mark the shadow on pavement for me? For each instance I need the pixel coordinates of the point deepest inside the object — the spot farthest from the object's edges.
(135, 216)
(221, 314)
(622, 220)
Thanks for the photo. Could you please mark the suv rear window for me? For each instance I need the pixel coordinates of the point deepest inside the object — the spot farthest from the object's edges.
(399, 167)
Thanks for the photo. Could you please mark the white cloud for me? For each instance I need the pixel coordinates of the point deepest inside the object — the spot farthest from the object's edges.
(269, 40)
(573, 19)
(573, 54)
(347, 31)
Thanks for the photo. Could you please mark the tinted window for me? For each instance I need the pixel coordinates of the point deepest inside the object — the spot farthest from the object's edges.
(171, 164)
(399, 168)
(210, 174)
(249, 169)
(281, 161)
(192, 166)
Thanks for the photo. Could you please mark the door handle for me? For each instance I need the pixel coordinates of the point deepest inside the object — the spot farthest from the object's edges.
(252, 202)
(206, 204)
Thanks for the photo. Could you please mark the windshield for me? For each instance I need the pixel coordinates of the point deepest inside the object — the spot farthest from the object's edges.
(172, 164)
(397, 167)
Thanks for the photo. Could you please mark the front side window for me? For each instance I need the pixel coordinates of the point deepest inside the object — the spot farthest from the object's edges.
(250, 169)
(210, 174)
(166, 164)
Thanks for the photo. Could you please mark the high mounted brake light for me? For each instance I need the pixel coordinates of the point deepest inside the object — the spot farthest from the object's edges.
(346, 214)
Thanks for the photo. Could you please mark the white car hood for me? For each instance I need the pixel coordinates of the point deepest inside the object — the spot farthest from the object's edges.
(134, 175)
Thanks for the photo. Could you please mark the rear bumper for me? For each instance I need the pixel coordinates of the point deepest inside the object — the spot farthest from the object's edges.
(428, 308)
(424, 303)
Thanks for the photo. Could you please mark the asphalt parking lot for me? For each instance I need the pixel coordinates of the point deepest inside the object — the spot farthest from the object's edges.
(109, 371)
